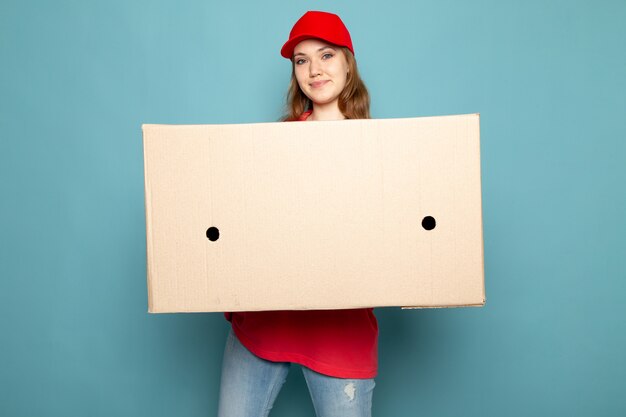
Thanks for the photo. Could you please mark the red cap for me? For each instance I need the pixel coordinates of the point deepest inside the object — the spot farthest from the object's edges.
(320, 25)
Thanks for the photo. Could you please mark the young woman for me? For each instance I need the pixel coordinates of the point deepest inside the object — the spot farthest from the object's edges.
(337, 349)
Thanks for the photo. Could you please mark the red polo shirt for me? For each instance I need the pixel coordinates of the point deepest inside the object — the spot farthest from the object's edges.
(339, 343)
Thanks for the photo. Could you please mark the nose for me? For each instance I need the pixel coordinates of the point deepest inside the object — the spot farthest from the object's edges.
(314, 68)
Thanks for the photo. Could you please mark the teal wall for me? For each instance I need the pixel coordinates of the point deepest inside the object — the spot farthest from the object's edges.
(77, 80)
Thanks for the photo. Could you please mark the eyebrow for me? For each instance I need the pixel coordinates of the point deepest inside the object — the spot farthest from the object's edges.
(319, 50)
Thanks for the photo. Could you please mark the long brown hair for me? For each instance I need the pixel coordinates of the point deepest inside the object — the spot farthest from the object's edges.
(354, 100)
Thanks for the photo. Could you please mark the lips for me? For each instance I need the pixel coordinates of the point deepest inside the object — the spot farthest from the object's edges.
(318, 84)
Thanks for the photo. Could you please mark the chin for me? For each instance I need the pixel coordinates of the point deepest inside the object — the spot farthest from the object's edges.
(321, 100)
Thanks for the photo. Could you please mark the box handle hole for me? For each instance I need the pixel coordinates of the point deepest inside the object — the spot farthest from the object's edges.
(429, 223)
(213, 233)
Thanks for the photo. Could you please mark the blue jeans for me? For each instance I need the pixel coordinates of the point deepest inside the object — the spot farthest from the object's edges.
(250, 384)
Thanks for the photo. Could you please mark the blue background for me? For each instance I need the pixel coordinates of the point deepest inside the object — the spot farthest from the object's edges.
(77, 80)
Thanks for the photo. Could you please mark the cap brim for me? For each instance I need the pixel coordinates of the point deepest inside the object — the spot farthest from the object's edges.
(287, 49)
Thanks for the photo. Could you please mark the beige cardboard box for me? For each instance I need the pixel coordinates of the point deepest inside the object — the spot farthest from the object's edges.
(323, 215)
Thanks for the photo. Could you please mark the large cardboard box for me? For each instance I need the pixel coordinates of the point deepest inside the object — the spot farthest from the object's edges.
(323, 215)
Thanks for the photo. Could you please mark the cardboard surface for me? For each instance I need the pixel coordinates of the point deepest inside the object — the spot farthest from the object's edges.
(323, 215)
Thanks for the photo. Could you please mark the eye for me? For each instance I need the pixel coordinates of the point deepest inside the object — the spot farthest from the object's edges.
(327, 55)
(300, 61)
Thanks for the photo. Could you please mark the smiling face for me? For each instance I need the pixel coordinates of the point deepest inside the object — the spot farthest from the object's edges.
(321, 70)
